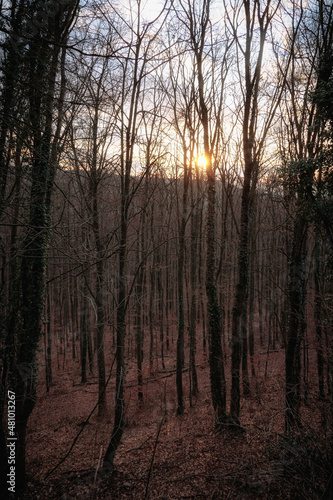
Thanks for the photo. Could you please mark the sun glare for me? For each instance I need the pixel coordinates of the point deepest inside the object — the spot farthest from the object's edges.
(202, 161)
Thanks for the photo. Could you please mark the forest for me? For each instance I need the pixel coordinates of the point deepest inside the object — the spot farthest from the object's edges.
(166, 249)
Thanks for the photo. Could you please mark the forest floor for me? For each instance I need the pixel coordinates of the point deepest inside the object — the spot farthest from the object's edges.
(192, 460)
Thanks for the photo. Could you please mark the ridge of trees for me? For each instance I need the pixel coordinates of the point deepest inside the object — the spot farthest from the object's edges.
(110, 225)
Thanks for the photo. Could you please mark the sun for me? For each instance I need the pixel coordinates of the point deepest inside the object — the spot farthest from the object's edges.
(202, 161)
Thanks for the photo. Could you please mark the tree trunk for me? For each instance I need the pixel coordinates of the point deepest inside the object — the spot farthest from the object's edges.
(241, 293)
(35, 241)
(296, 298)
(251, 309)
(119, 414)
(245, 372)
(217, 378)
(84, 331)
(138, 309)
(194, 287)
(48, 342)
(318, 318)
(100, 316)
(180, 281)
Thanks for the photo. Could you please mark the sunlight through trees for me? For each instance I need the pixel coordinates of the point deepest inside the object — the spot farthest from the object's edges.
(166, 200)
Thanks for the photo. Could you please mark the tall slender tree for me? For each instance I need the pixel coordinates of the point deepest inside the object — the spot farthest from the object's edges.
(307, 150)
(250, 50)
(134, 60)
(41, 60)
(197, 22)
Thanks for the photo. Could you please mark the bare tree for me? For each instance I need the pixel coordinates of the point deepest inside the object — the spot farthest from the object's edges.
(305, 119)
(93, 162)
(250, 52)
(197, 23)
(42, 63)
(135, 59)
